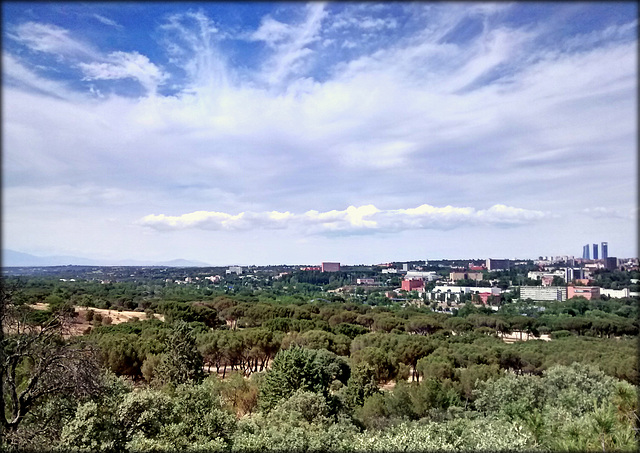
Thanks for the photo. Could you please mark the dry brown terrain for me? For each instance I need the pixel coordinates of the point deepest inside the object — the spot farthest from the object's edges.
(79, 324)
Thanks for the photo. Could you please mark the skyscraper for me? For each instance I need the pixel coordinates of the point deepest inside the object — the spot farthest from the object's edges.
(595, 251)
(605, 250)
(585, 252)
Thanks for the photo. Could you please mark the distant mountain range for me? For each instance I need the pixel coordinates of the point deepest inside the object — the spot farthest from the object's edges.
(11, 258)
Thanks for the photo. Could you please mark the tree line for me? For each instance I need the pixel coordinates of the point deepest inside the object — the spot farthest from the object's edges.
(236, 374)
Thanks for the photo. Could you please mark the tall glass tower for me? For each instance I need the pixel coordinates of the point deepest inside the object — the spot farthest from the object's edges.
(595, 251)
(605, 250)
(585, 252)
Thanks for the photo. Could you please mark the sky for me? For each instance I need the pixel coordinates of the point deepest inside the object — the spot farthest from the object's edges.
(296, 133)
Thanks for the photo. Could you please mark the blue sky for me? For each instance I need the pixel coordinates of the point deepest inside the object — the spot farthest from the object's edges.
(265, 133)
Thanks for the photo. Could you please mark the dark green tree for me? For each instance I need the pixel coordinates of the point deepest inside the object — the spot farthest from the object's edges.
(360, 386)
(181, 362)
(300, 368)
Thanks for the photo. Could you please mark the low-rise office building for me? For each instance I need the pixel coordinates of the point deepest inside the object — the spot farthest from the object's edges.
(330, 267)
(455, 276)
(414, 284)
(588, 292)
(543, 293)
(615, 293)
(452, 293)
(498, 265)
(424, 275)
(234, 270)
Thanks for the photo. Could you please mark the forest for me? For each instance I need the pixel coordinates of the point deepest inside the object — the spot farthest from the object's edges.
(289, 365)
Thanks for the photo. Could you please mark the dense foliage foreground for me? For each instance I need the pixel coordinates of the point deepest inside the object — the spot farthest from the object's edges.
(231, 375)
(575, 408)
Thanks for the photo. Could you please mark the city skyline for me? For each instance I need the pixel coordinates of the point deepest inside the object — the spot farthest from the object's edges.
(300, 133)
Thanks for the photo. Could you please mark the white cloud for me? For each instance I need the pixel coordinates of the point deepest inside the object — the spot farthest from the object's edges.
(349, 19)
(15, 73)
(107, 21)
(613, 32)
(94, 64)
(123, 65)
(391, 127)
(353, 220)
(51, 39)
(218, 221)
(290, 43)
(271, 31)
(192, 44)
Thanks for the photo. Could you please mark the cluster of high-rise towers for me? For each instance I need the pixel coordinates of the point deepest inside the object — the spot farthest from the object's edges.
(605, 253)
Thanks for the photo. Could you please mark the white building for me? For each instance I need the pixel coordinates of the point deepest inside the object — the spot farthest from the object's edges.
(615, 293)
(429, 276)
(454, 292)
(234, 270)
(543, 293)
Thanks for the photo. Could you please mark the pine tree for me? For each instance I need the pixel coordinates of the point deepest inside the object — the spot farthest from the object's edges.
(181, 361)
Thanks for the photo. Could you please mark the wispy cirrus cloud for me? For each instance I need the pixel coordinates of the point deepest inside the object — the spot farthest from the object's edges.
(94, 64)
(366, 219)
(48, 38)
(463, 105)
(126, 65)
(290, 43)
(107, 21)
(15, 72)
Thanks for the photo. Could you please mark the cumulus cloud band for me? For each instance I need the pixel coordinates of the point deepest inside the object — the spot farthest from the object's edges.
(353, 220)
